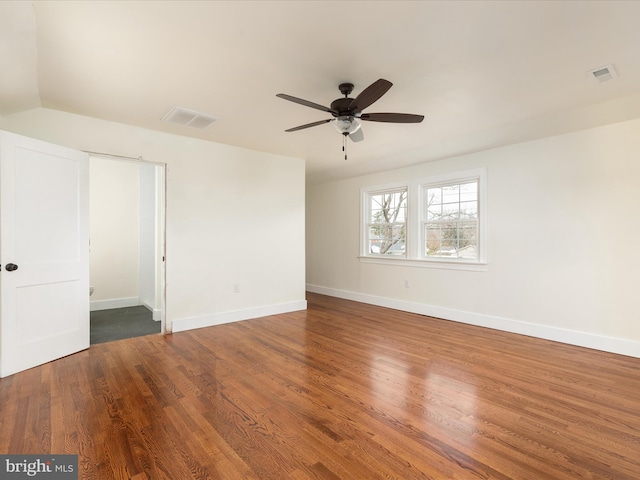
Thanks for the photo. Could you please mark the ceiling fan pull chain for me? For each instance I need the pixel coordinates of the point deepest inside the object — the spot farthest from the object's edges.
(344, 145)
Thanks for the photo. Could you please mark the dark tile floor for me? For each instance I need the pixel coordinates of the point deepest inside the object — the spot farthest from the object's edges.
(119, 323)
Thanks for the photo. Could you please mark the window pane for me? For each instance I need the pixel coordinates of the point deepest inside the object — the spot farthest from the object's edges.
(469, 210)
(388, 207)
(376, 202)
(434, 212)
(469, 191)
(433, 248)
(469, 251)
(434, 196)
(449, 230)
(448, 247)
(467, 233)
(377, 216)
(374, 240)
(450, 193)
(433, 231)
(467, 242)
(450, 211)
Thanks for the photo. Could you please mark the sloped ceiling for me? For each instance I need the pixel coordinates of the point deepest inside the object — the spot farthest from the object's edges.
(483, 73)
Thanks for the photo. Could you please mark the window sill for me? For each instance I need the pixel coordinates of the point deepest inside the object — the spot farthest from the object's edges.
(442, 264)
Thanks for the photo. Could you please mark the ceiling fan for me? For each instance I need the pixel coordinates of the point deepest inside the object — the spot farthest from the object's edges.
(347, 112)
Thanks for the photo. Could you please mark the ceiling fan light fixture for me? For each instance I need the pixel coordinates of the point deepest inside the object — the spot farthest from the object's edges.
(346, 124)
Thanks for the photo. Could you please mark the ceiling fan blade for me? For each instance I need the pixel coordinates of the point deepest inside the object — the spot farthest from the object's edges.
(357, 136)
(369, 95)
(307, 125)
(306, 103)
(392, 117)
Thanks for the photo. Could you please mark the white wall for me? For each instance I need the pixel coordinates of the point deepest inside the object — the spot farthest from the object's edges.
(114, 232)
(562, 242)
(234, 216)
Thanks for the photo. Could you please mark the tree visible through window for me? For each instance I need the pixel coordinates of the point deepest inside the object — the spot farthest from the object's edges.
(386, 227)
(451, 223)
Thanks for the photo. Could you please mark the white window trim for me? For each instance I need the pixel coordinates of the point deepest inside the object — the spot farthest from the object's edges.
(415, 209)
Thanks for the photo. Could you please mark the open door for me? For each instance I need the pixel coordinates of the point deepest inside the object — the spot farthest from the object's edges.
(44, 252)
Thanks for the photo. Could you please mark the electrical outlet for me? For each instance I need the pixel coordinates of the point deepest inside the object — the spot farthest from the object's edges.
(406, 284)
(236, 288)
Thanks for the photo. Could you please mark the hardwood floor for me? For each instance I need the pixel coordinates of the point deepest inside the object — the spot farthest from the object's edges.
(341, 391)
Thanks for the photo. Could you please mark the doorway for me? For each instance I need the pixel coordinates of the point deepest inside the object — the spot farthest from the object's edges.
(127, 211)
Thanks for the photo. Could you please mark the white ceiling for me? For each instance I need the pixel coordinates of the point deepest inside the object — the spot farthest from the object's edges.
(483, 73)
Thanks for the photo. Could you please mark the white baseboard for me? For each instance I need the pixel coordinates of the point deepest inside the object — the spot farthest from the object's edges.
(182, 324)
(157, 313)
(572, 337)
(113, 303)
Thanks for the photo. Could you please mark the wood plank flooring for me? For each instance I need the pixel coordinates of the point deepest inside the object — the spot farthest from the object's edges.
(341, 391)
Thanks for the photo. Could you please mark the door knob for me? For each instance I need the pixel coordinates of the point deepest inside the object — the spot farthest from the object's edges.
(10, 267)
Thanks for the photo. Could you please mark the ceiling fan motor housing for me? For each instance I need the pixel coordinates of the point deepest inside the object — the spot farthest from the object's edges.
(341, 105)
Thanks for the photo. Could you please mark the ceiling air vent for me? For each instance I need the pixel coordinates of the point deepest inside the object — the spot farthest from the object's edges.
(602, 74)
(191, 118)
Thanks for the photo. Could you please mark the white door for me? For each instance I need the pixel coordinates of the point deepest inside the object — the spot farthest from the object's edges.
(44, 252)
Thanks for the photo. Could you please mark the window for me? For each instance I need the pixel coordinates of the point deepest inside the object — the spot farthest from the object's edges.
(438, 221)
(387, 223)
(450, 220)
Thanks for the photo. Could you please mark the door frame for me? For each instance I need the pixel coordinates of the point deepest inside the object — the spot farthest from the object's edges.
(161, 168)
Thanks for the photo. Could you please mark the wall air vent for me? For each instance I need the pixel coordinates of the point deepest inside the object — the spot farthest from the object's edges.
(602, 74)
(191, 118)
